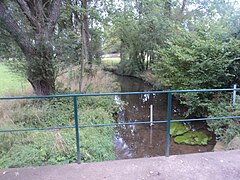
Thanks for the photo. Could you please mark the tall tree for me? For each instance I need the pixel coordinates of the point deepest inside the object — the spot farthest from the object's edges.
(86, 32)
(86, 48)
(32, 28)
(168, 7)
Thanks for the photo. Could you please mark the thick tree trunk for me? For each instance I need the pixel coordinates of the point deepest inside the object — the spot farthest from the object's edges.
(36, 46)
(40, 68)
(41, 74)
(43, 86)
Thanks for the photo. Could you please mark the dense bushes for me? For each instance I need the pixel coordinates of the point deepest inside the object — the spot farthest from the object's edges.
(195, 62)
(225, 129)
(202, 61)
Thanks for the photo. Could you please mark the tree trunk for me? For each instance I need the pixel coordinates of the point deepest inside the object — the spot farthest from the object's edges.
(41, 73)
(34, 39)
(43, 86)
(82, 69)
(168, 7)
(123, 56)
(183, 6)
(84, 53)
(86, 33)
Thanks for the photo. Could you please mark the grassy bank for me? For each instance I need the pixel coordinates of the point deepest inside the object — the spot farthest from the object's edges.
(37, 148)
(11, 83)
(58, 146)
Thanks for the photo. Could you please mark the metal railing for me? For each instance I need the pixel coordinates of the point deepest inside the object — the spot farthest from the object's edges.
(77, 126)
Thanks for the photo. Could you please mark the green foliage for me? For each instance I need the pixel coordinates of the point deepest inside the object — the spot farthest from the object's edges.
(193, 138)
(138, 34)
(194, 62)
(225, 129)
(128, 68)
(58, 146)
(40, 148)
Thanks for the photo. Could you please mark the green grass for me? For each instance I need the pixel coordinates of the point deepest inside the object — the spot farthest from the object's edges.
(11, 83)
(38, 148)
(110, 61)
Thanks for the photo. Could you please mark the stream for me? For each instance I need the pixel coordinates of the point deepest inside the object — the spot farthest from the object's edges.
(137, 141)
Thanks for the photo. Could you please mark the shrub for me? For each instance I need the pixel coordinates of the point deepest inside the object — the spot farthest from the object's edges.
(225, 129)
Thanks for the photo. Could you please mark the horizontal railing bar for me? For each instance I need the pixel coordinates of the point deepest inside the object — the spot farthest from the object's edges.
(121, 124)
(117, 93)
(38, 129)
(207, 119)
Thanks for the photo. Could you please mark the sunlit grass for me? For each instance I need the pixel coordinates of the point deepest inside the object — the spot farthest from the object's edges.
(11, 83)
(110, 61)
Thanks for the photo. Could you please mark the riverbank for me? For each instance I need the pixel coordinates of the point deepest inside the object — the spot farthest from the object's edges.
(208, 166)
(147, 76)
(37, 148)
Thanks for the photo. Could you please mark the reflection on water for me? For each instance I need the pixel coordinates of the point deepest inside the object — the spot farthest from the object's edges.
(135, 141)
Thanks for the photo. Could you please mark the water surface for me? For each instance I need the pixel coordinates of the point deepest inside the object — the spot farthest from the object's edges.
(136, 141)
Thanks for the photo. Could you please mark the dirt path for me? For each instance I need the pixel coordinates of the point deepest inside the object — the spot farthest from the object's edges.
(204, 166)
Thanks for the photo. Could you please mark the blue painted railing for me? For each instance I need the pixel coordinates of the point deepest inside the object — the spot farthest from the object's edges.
(77, 126)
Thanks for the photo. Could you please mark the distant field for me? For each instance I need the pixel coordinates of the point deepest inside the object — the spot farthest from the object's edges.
(111, 61)
(10, 83)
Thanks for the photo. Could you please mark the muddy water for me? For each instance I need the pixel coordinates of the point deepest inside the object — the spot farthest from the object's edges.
(135, 141)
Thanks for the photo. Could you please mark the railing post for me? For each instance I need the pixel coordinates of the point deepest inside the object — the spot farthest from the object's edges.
(169, 117)
(234, 95)
(151, 115)
(77, 130)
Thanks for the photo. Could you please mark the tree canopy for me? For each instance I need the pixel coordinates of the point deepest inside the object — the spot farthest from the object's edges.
(181, 42)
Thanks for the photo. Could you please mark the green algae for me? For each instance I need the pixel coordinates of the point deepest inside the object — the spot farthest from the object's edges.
(183, 135)
(193, 138)
(178, 128)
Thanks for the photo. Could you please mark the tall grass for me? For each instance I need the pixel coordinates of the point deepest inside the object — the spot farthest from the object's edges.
(94, 81)
(58, 146)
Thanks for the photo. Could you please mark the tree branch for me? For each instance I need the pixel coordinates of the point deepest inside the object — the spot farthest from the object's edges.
(39, 11)
(54, 14)
(12, 27)
(25, 8)
(183, 6)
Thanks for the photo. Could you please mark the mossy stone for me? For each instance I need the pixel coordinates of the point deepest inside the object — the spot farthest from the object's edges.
(178, 128)
(193, 138)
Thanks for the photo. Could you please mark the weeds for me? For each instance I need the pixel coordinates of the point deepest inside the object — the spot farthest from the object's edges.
(58, 146)
(37, 148)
